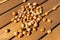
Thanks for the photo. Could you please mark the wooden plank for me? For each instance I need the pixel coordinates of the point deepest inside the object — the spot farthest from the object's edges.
(13, 28)
(49, 4)
(9, 5)
(55, 33)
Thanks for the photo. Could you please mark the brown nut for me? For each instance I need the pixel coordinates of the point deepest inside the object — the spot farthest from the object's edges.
(29, 24)
(35, 3)
(44, 19)
(20, 35)
(15, 21)
(28, 29)
(40, 17)
(26, 26)
(28, 33)
(23, 25)
(49, 20)
(46, 13)
(49, 31)
(12, 19)
(42, 29)
(34, 29)
(29, 3)
(41, 12)
(22, 7)
(37, 13)
(35, 25)
(20, 30)
(16, 17)
(15, 33)
(14, 13)
(7, 30)
(24, 32)
(24, 0)
(54, 8)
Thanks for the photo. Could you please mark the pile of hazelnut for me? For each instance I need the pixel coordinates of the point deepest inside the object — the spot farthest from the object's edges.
(30, 15)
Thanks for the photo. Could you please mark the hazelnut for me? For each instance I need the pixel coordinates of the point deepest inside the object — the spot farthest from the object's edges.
(26, 26)
(20, 30)
(49, 20)
(34, 29)
(12, 19)
(41, 11)
(24, 0)
(16, 17)
(7, 30)
(15, 33)
(34, 17)
(37, 13)
(44, 19)
(28, 29)
(42, 29)
(40, 17)
(54, 8)
(29, 24)
(46, 13)
(20, 35)
(35, 3)
(14, 13)
(22, 6)
(15, 21)
(35, 24)
(49, 31)
(28, 33)
(23, 26)
(29, 3)
(24, 32)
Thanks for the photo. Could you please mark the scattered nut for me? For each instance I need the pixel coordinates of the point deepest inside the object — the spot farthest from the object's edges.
(35, 24)
(15, 21)
(7, 30)
(40, 17)
(16, 17)
(14, 13)
(20, 30)
(12, 19)
(15, 33)
(28, 29)
(44, 19)
(34, 29)
(49, 31)
(49, 20)
(42, 29)
(28, 33)
(29, 3)
(54, 8)
(23, 26)
(35, 3)
(29, 24)
(24, 0)
(24, 32)
(46, 13)
(20, 35)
